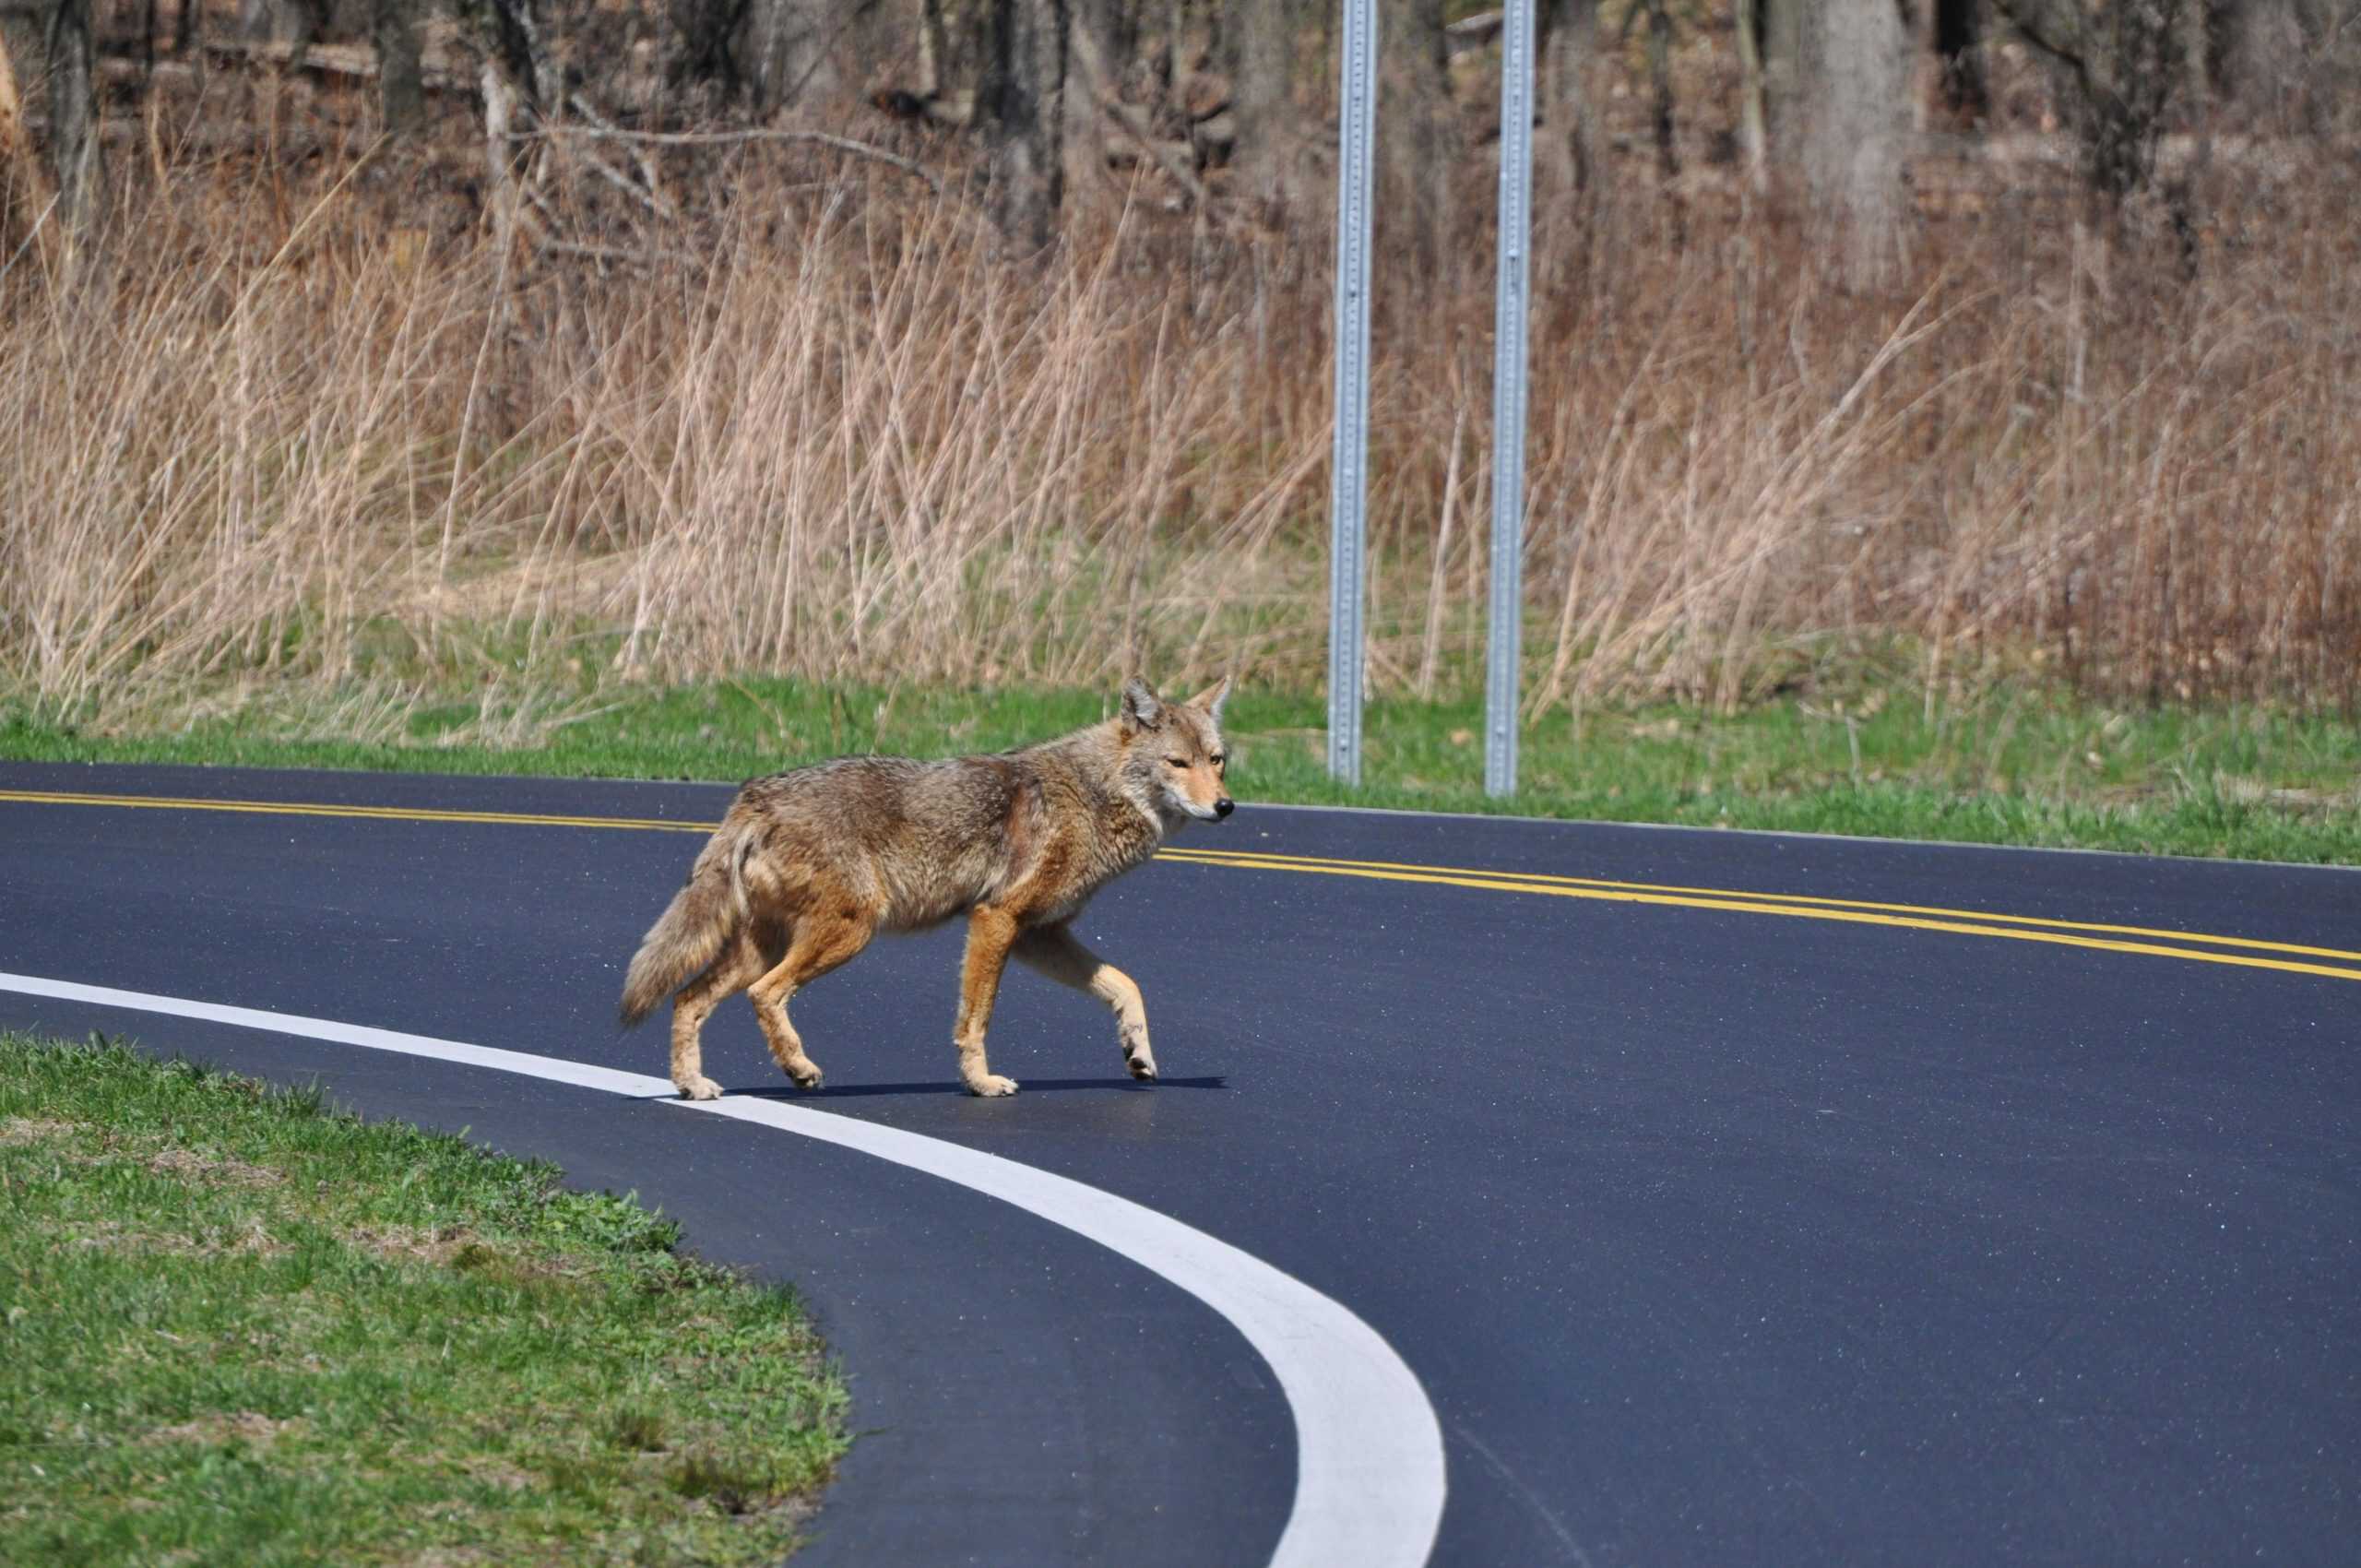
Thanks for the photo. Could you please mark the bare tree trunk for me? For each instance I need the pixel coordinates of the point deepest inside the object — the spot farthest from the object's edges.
(75, 152)
(500, 158)
(1754, 129)
(1259, 49)
(1093, 99)
(1782, 36)
(25, 188)
(1857, 59)
(1176, 24)
(2261, 56)
(1959, 46)
(1661, 107)
(1418, 136)
(786, 49)
(1019, 105)
(931, 48)
(1093, 76)
(291, 23)
(2116, 70)
(1572, 93)
(401, 87)
(520, 38)
(15, 140)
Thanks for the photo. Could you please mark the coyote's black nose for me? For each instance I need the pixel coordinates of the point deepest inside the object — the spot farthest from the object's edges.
(1224, 806)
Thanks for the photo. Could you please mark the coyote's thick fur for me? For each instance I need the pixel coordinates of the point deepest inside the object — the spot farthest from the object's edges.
(810, 864)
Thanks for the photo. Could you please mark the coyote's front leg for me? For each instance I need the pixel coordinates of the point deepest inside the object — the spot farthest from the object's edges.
(1057, 953)
(990, 933)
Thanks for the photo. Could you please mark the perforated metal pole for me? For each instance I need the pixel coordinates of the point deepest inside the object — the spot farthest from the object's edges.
(1348, 493)
(1508, 401)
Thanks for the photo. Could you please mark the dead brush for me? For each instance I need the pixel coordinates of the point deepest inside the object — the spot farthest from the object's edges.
(848, 444)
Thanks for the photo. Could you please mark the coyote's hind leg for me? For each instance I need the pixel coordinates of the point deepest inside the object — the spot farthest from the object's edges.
(739, 963)
(821, 942)
(1054, 951)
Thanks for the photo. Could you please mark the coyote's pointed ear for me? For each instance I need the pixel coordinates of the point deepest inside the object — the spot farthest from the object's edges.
(1140, 708)
(1212, 697)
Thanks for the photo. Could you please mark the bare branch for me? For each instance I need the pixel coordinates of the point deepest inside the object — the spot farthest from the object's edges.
(719, 139)
(2054, 32)
(653, 200)
(1085, 50)
(616, 255)
(648, 170)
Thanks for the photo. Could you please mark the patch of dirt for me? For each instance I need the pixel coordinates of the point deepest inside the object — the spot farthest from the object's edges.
(216, 1430)
(192, 1165)
(498, 1473)
(416, 1242)
(458, 1247)
(253, 1241)
(27, 1129)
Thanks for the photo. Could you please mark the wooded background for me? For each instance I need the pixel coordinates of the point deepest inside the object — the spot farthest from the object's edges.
(1230, 105)
(537, 341)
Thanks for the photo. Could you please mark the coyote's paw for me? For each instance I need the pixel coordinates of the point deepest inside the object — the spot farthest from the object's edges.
(990, 1086)
(1142, 1067)
(699, 1087)
(806, 1076)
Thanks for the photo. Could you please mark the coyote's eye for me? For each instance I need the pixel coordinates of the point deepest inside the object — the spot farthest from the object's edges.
(1219, 758)
(1178, 761)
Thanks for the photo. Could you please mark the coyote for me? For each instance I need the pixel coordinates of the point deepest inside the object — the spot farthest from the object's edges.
(808, 865)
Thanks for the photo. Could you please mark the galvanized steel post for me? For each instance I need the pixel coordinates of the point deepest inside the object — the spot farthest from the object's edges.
(1508, 400)
(1348, 492)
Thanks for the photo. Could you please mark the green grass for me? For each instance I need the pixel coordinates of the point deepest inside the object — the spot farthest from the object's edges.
(238, 1327)
(2007, 764)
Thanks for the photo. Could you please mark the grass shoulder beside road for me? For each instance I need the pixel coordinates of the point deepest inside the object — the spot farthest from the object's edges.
(2008, 764)
(237, 1327)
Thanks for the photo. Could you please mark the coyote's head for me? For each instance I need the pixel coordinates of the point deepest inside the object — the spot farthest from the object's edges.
(1173, 753)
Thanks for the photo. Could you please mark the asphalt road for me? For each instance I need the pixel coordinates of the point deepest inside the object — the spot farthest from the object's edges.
(1717, 1225)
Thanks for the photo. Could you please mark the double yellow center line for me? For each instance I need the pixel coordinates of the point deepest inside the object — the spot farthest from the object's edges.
(380, 813)
(2154, 943)
(2334, 963)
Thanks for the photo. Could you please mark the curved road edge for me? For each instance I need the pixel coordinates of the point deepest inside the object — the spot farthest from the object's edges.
(1369, 1478)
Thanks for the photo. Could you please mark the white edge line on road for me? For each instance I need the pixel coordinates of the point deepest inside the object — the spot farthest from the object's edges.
(1370, 1479)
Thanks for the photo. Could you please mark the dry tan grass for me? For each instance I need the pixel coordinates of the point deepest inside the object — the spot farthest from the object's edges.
(250, 1428)
(252, 1239)
(852, 444)
(213, 1168)
(34, 1130)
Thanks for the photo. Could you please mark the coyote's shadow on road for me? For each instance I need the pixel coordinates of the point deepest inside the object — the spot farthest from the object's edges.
(953, 1086)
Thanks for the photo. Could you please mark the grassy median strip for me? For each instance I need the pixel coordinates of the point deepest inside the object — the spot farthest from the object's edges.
(239, 1326)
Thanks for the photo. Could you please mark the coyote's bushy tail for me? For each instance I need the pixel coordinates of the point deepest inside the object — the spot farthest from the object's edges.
(688, 935)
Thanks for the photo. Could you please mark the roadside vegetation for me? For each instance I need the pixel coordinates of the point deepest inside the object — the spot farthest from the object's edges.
(851, 449)
(2019, 762)
(714, 455)
(238, 1326)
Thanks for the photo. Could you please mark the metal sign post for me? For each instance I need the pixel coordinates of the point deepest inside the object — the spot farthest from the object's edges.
(1350, 468)
(1508, 400)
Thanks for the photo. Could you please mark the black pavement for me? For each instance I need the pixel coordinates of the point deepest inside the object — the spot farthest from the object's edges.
(1714, 1236)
